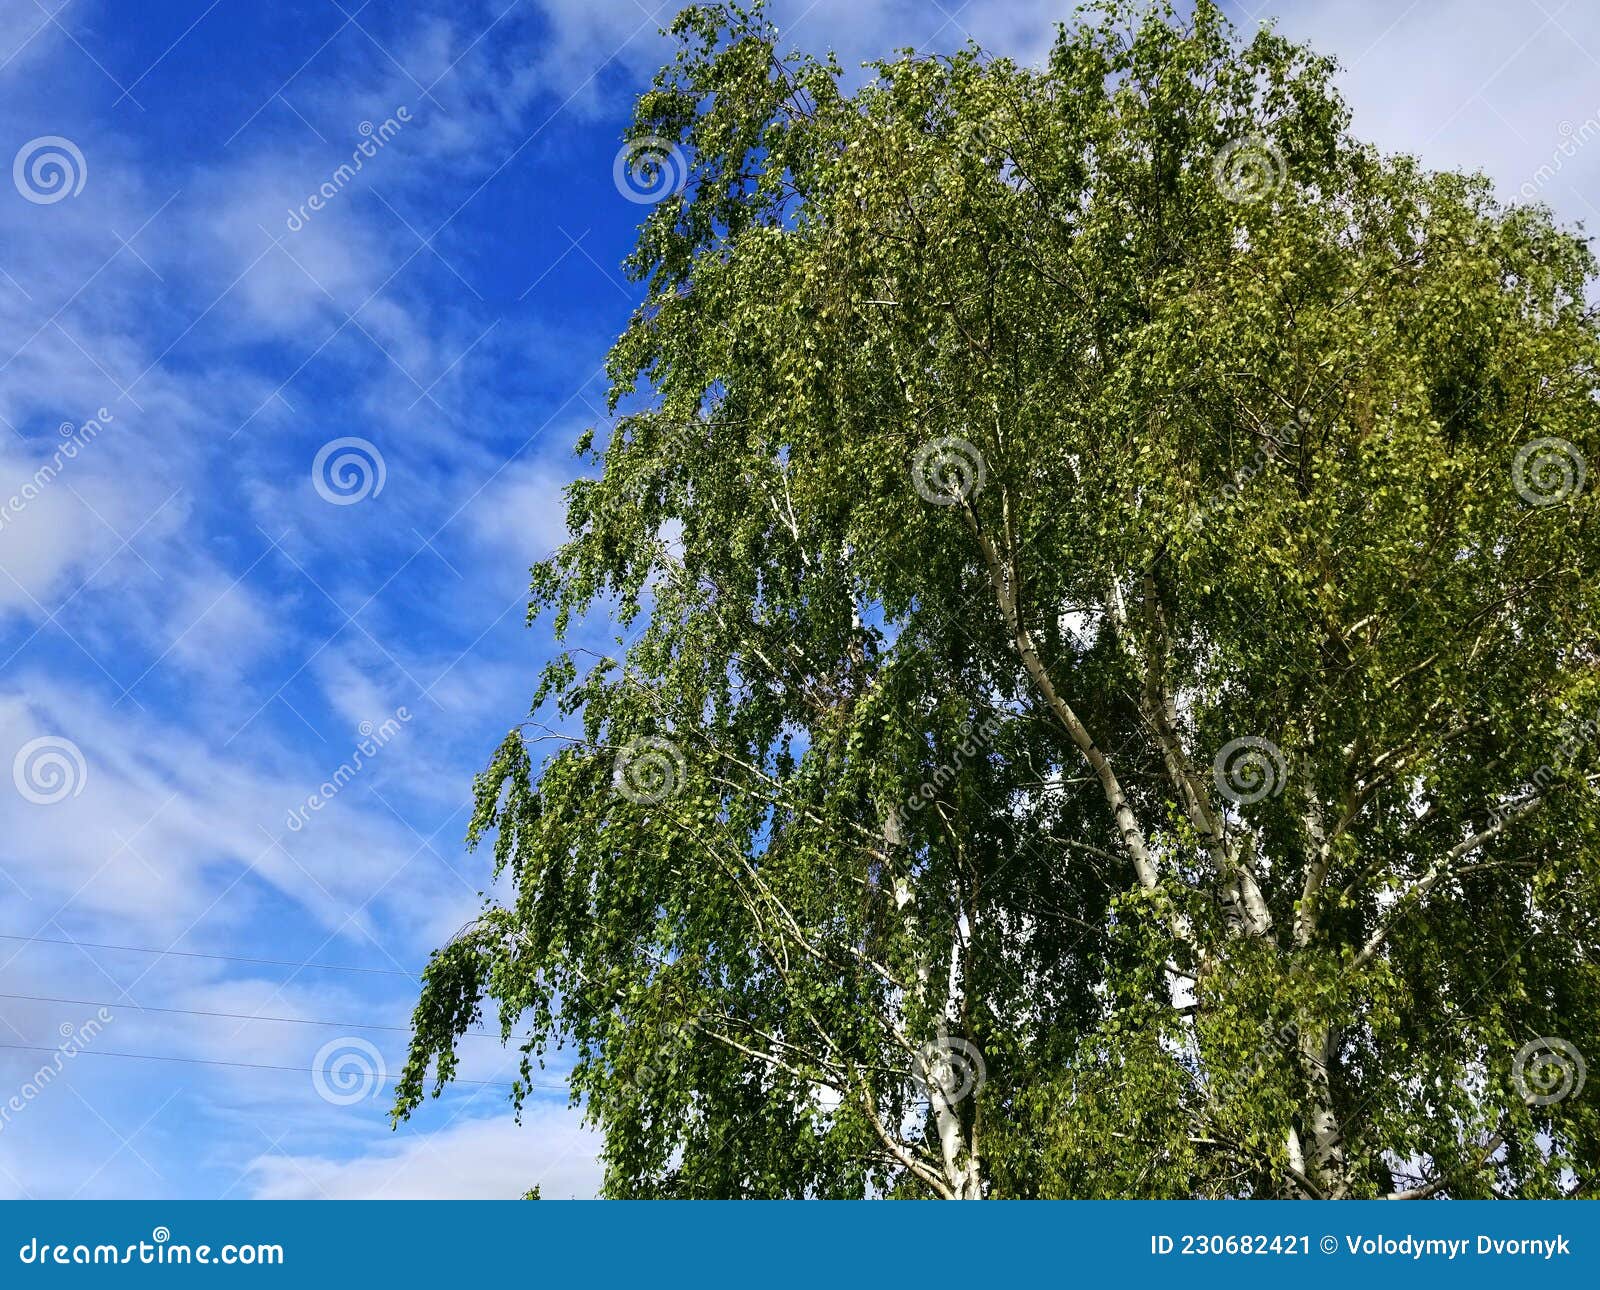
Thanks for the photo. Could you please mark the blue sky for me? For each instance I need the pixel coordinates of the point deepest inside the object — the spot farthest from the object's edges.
(192, 634)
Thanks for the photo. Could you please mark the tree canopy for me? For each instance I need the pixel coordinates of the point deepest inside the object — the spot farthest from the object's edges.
(1107, 702)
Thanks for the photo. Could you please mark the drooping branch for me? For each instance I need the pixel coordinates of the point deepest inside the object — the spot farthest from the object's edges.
(1437, 872)
(1003, 578)
(1247, 909)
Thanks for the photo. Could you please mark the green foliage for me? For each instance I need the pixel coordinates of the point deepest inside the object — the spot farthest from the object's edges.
(999, 448)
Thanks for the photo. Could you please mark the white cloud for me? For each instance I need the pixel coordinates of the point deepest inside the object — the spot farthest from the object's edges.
(522, 513)
(168, 822)
(489, 1159)
(228, 627)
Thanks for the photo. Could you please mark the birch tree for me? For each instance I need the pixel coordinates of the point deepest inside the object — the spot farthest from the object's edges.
(1104, 684)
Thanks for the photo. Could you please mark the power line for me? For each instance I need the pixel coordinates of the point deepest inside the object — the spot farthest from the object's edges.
(194, 954)
(231, 1016)
(254, 1066)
